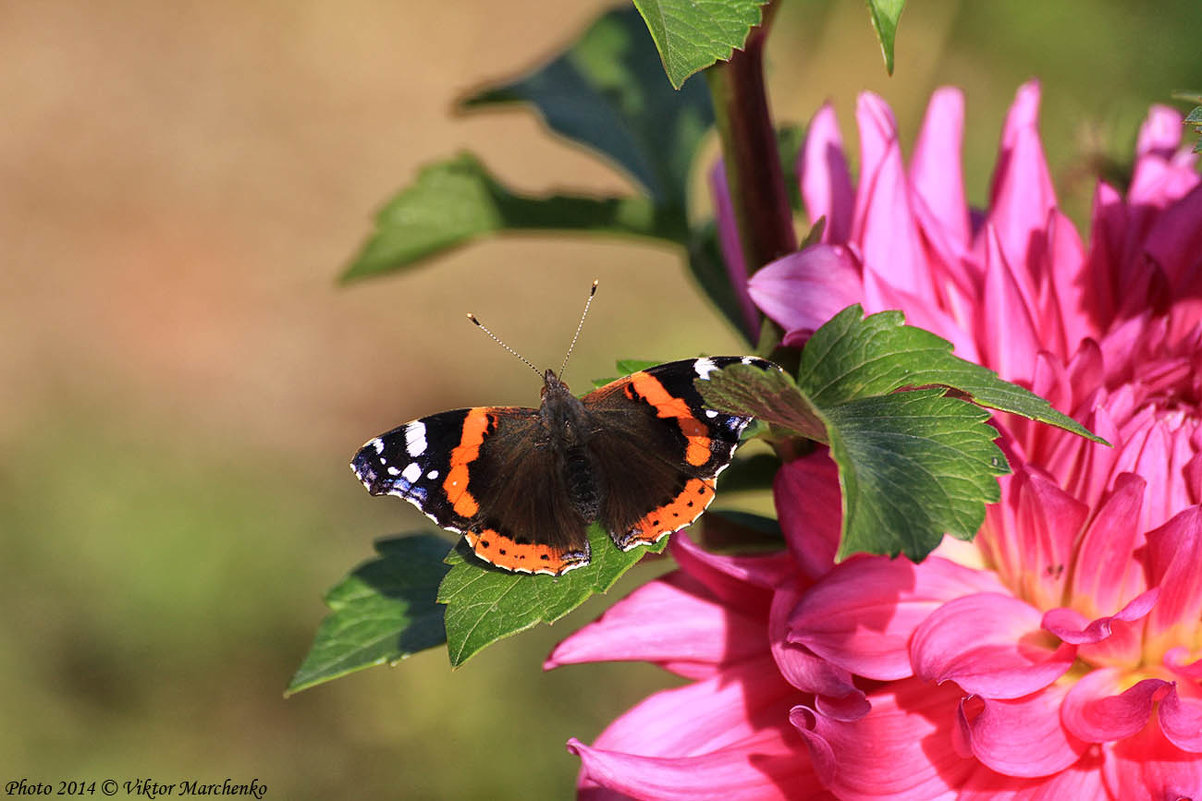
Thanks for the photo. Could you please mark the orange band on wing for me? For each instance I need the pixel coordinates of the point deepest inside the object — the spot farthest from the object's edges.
(497, 549)
(673, 515)
(475, 426)
(697, 451)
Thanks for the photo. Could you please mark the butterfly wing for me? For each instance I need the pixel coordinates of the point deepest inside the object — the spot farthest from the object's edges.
(659, 448)
(486, 473)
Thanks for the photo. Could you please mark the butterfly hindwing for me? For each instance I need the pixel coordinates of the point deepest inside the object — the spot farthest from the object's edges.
(660, 448)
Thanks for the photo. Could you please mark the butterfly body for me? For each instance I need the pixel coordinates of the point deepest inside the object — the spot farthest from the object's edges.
(639, 455)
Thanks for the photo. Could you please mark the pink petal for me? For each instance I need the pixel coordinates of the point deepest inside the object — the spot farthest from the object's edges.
(1008, 334)
(1021, 737)
(1080, 781)
(862, 614)
(760, 769)
(1159, 176)
(1065, 260)
(1106, 575)
(1107, 229)
(803, 290)
(1175, 567)
(1176, 238)
(991, 645)
(935, 171)
(740, 582)
(1147, 767)
(1097, 709)
(803, 669)
(673, 622)
(1073, 627)
(705, 716)
(732, 248)
(885, 227)
(1048, 522)
(1022, 193)
(824, 178)
(1181, 721)
(809, 505)
(901, 750)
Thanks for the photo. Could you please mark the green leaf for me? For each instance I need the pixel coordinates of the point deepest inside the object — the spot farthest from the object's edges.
(693, 34)
(913, 465)
(885, 15)
(1194, 118)
(457, 201)
(606, 92)
(485, 604)
(850, 357)
(384, 611)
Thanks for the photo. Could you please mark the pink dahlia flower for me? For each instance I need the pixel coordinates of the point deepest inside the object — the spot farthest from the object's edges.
(1055, 657)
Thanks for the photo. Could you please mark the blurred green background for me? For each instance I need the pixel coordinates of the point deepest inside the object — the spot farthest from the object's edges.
(182, 383)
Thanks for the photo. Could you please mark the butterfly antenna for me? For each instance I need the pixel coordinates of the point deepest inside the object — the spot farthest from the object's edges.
(579, 326)
(497, 339)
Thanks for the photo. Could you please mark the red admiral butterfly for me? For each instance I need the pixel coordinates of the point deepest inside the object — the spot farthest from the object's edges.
(640, 455)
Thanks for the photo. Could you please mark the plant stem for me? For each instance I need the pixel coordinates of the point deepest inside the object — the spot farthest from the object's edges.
(749, 150)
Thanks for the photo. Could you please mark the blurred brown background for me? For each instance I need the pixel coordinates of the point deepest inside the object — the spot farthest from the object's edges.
(182, 381)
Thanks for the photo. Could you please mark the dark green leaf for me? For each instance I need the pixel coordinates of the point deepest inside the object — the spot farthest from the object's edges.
(885, 15)
(384, 611)
(607, 92)
(693, 34)
(913, 465)
(727, 528)
(753, 472)
(455, 202)
(851, 357)
(485, 604)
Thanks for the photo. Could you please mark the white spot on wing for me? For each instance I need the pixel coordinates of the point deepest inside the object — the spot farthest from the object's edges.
(412, 472)
(433, 474)
(710, 413)
(704, 367)
(415, 438)
(378, 444)
(393, 471)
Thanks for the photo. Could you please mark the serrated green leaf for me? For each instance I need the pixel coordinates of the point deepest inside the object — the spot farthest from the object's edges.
(485, 604)
(693, 34)
(384, 611)
(606, 92)
(913, 466)
(455, 202)
(854, 357)
(885, 15)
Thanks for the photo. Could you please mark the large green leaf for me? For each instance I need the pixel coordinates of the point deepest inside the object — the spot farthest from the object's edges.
(885, 16)
(485, 604)
(693, 34)
(607, 92)
(457, 201)
(913, 465)
(384, 611)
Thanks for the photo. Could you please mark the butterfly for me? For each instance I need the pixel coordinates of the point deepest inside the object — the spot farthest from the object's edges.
(640, 455)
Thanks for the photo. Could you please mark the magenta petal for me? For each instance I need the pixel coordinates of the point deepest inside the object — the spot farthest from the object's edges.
(885, 227)
(1175, 565)
(1097, 711)
(1023, 736)
(901, 750)
(1008, 333)
(673, 622)
(824, 178)
(1147, 767)
(809, 504)
(991, 645)
(935, 165)
(1080, 781)
(741, 582)
(1181, 721)
(803, 290)
(862, 614)
(1106, 575)
(1072, 627)
(804, 670)
(762, 768)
